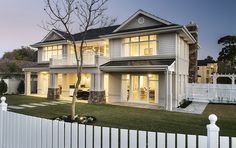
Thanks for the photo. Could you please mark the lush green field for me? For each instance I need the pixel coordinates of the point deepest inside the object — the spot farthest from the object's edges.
(142, 119)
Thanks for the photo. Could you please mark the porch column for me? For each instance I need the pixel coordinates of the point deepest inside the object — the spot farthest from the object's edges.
(53, 90)
(170, 92)
(27, 83)
(167, 90)
(97, 93)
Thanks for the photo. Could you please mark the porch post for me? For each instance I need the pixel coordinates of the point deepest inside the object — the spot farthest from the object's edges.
(167, 90)
(97, 93)
(170, 91)
(53, 90)
(27, 83)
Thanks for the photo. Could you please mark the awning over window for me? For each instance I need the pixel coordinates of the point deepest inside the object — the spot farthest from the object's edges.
(137, 65)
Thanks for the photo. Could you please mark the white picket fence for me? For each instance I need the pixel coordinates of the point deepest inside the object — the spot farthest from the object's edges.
(22, 131)
(217, 93)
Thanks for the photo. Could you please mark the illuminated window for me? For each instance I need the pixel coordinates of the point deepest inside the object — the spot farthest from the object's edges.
(52, 52)
(140, 46)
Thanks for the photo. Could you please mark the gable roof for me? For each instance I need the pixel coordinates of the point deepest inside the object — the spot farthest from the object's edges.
(165, 22)
(61, 34)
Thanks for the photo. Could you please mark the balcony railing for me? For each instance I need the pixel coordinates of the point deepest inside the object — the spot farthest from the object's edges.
(89, 59)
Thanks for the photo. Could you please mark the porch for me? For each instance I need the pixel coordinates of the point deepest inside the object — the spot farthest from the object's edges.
(149, 83)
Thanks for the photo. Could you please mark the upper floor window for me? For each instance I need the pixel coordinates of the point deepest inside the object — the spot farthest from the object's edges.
(140, 45)
(96, 48)
(52, 52)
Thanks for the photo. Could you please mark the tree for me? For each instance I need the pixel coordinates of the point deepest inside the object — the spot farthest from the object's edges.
(24, 53)
(21, 87)
(226, 59)
(3, 87)
(89, 13)
(209, 59)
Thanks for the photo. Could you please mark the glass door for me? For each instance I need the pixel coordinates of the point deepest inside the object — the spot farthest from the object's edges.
(140, 88)
(153, 88)
(134, 88)
(143, 89)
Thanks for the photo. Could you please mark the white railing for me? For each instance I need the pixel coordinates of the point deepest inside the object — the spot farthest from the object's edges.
(88, 59)
(217, 93)
(22, 131)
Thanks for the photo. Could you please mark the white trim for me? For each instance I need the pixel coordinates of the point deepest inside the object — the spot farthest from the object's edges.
(144, 32)
(52, 31)
(160, 56)
(143, 13)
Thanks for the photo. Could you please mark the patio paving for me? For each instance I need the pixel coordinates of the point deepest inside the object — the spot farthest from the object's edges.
(28, 106)
(33, 105)
(194, 108)
(138, 105)
(15, 107)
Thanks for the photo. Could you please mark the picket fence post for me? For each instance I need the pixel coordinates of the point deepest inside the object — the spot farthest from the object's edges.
(212, 132)
(3, 104)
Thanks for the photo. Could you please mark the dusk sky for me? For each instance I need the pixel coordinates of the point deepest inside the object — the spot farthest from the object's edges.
(215, 18)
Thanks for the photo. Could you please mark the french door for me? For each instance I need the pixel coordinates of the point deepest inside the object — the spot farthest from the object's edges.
(143, 88)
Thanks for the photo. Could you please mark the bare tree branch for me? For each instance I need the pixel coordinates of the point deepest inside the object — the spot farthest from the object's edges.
(89, 14)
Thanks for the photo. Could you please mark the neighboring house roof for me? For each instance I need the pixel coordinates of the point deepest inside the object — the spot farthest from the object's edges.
(5, 63)
(204, 62)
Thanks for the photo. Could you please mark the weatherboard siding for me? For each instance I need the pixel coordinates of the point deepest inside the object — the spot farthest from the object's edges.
(166, 44)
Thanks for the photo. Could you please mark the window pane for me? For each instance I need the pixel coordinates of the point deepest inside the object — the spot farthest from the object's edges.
(153, 37)
(144, 38)
(50, 48)
(49, 55)
(152, 47)
(54, 47)
(59, 47)
(134, 49)
(126, 40)
(59, 54)
(102, 50)
(144, 49)
(126, 50)
(134, 39)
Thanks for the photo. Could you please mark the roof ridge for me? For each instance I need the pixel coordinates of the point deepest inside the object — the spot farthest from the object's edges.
(154, 15)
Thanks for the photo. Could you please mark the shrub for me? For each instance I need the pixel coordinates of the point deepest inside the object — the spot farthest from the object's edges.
(21, 87)
(3, 87)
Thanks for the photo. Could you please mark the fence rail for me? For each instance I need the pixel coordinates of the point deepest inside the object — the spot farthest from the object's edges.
(217, 93)
(22, 131)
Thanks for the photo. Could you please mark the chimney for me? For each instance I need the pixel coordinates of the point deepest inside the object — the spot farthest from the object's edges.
(193, 52)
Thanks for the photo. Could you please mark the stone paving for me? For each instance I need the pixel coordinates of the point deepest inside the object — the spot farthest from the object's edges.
(194, 108)
(33, 105)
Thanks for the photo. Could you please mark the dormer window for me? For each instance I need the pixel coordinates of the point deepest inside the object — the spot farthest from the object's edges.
(140, 46)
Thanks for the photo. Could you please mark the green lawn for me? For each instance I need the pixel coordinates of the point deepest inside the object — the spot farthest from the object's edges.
(142, 119)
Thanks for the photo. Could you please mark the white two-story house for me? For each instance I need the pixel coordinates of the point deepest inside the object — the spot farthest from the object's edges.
(144, 60)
